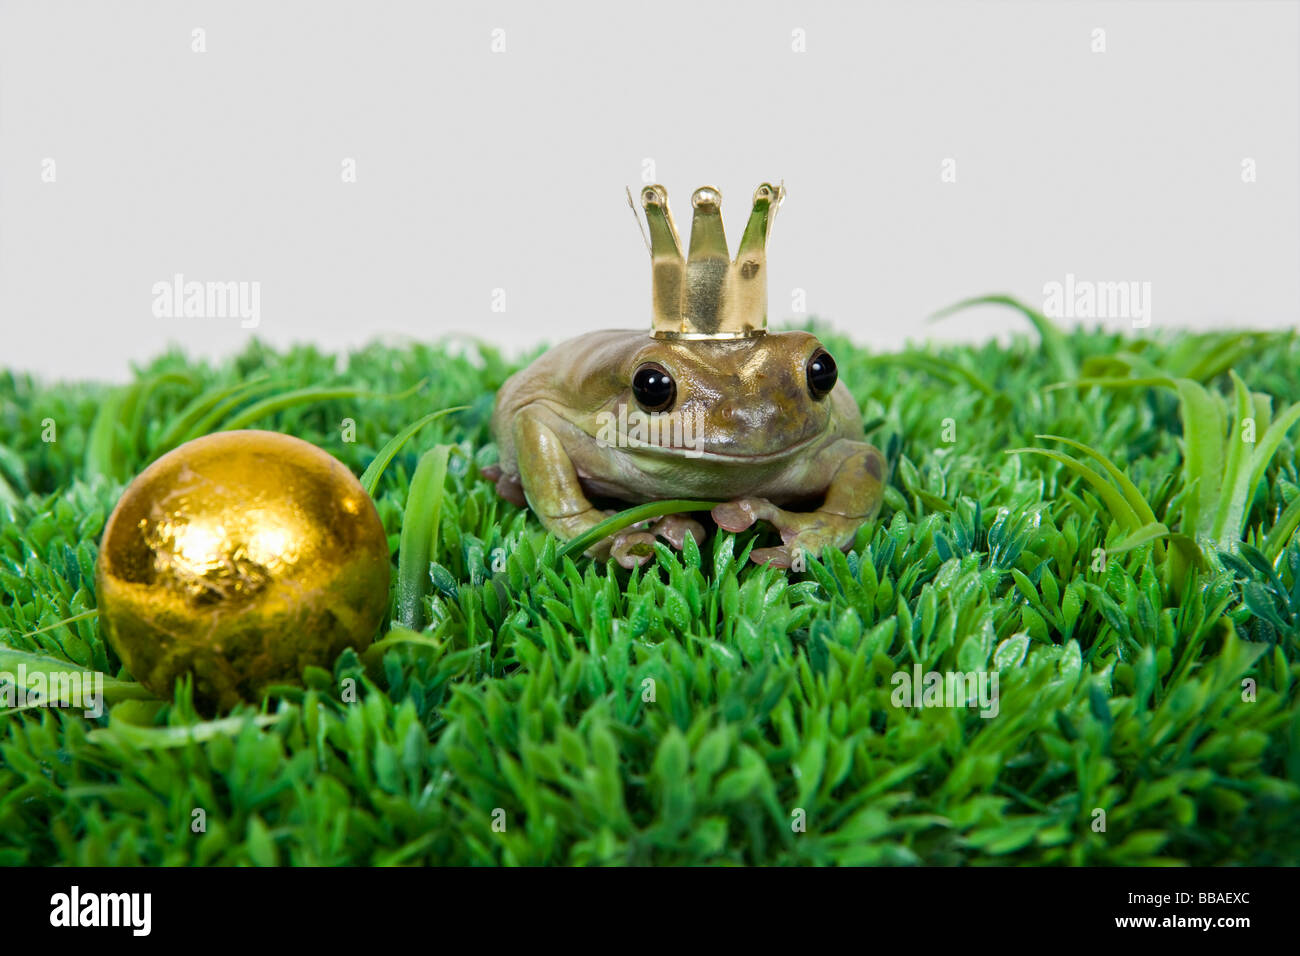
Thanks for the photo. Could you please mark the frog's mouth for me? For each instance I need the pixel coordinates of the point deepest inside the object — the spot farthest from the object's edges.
(700, 451)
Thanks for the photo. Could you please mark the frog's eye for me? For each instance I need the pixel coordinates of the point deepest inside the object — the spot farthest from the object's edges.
(822, 374)
(653, 388)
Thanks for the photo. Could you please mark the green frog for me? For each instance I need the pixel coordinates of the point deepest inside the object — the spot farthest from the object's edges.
(708, 406)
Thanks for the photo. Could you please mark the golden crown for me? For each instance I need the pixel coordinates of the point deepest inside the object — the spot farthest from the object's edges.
(706, 295)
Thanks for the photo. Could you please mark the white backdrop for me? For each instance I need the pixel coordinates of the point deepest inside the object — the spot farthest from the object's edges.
(401, 169)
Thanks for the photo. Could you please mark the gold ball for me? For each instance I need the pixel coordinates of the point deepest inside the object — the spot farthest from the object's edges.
(240, 557)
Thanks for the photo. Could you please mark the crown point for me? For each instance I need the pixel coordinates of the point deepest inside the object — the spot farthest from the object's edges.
(706, 196)
(769, 193)
(653, 196)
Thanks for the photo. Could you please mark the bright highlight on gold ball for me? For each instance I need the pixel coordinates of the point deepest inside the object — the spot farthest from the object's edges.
(240, 557)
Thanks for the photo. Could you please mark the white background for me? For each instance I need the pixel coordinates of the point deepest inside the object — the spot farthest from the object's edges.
(479, 170)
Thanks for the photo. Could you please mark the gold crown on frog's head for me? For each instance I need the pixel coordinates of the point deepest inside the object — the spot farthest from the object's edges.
(706, 295)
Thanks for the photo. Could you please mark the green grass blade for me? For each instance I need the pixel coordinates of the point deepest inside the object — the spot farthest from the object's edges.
(1130, 491)
(1111, 381)
(1217, 354)
(13, 472)
(420, 536)
(401, 635)
(7, 493)
(278, 403)
(204, 410)
(1270, 442)
(305, 396)
(1055, 343)
(943, 368)
(113, 689)
(162, 738)
(1118, 506)
(1280, 534)
(375, 470)
(1099, 366)
(1203, 436)
(1144, 535)
(1236, 486)
(138, 430)
(101, 445)
(93, 612)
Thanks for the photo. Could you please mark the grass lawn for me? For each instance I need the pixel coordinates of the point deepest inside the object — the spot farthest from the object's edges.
(1134, 583)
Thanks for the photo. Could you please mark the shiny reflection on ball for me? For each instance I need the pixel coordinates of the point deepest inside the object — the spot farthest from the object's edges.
(241, 558)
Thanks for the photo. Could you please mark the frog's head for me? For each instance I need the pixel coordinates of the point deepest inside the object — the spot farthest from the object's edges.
(744, 399)
(731, 391)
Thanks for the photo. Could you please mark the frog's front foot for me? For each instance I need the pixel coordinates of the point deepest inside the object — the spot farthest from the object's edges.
(635, 546)
(674, 529)
(630, 547)
(853, 498)
(802, 532)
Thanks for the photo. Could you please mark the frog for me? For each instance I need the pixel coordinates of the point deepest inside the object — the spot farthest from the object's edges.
(773, 426)
(709, 406)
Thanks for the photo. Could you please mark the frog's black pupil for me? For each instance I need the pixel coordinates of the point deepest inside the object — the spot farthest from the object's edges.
(822, 374)
(653, 388)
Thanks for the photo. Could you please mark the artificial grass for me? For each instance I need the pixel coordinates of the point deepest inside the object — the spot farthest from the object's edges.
(704, 709)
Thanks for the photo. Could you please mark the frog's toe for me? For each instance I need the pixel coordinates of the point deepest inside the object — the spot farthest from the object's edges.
(508, 487)
(806, 533)
(776, 557)
(802, 532)
(839, 535)
(795, 552)
(632, 548)
(736, 516)
(675, 528)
